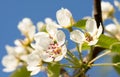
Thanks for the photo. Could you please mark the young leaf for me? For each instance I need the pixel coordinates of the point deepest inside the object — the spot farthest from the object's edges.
(80, 24)
(106, 41)
(85, 46)
(115, 47)
(21, 72)
(53, 69)
(116, 59)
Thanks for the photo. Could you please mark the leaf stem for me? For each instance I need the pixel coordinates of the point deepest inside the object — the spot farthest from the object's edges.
(79, 49)
(99, 57)
(106, 64)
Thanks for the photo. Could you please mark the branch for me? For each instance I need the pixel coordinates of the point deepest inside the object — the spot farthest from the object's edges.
(98, 18)
(98, 13)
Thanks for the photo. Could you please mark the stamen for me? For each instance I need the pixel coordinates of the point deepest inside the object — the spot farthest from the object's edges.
(88, 37)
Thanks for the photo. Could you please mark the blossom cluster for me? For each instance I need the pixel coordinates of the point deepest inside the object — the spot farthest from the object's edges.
(48, 43)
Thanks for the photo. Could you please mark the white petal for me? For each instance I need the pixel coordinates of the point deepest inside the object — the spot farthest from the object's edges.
(77, 36)
(93, 42)
(111, 28)
(34, 59)
(64, 17)
(38, 35)
(24, 57)
(42, 39)
(10, 49)
(18, 42)
(40, 26)
(100, 29)
(91, 26)
(9, 61)
(34, 70)
(46, 57)
(19, 50)
(60, 37)
(116, 3)
(64, 51)
(106, 6)
(51, 27)
(10, 69)
(26, 27)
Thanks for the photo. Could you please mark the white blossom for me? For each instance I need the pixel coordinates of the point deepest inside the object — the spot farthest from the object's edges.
(91, 34)
(64, 17)
(51, 49)
(41, 26)
(117, 4)
(10, 63)
(107, 10)
(27, 28)
(34, 63)
(113, 30)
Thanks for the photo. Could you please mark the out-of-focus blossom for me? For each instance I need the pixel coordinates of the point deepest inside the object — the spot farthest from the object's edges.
(15, 54)
(34, 63)
(27, 28)
(64, 18)
(117, 4)
(107, 10)
(91, 35)
(10, 62)
(113, 30)
(41, 26)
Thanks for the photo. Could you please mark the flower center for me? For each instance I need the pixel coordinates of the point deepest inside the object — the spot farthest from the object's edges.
(88, 37)
(54, 49)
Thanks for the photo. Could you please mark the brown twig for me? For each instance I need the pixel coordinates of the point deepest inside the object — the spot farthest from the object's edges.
(98, 18)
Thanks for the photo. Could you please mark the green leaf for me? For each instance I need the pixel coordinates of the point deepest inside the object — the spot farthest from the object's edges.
(80, 24)
(116, 59)
(106, 41)
(21, 72)
(85, 46)
(115, 47)
(53, 69)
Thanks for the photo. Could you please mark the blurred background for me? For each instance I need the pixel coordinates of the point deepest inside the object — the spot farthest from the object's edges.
(13, 11)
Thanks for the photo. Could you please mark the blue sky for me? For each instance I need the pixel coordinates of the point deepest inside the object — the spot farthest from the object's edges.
(13, 11)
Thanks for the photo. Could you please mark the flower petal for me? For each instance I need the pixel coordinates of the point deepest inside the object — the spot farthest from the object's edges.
(111, 28)
(64, 17)
(93, 42)
(34, 59)
(34, 70)
(42, 39)
(51, 27)
(9, 61)
(63, 51)
(46, 57)
(77, 36)
(91, 26)
(60, 37)
(99, 32)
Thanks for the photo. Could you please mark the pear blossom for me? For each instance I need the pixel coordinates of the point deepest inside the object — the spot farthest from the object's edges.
(107, 10)
(15, 54)
(91, 34)
(10, 63)
(51, 48)
(27, 28)
(113, 30)
(117, 4)
(41, 26)
(34, 63)
(64, 18)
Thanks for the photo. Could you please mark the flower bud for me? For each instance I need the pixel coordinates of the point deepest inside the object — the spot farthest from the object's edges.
(107, 10)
